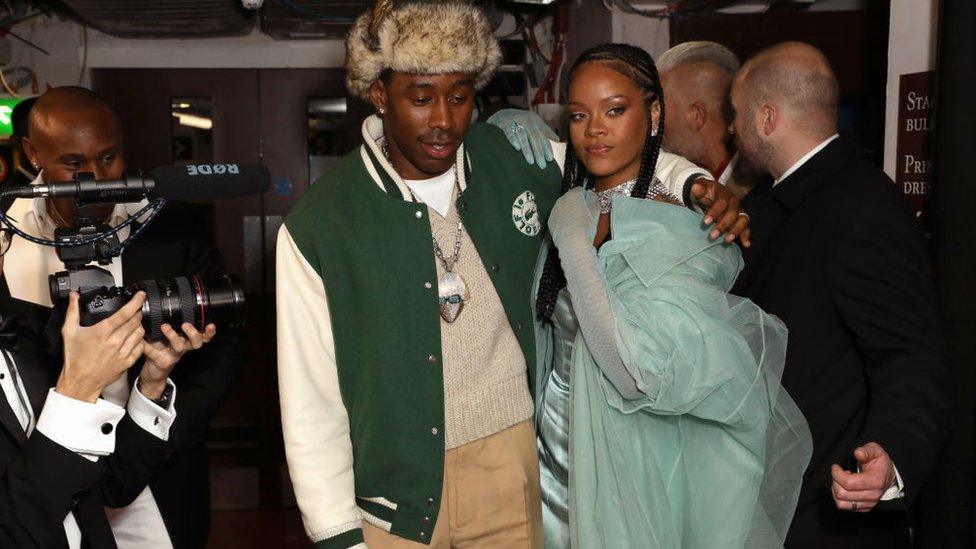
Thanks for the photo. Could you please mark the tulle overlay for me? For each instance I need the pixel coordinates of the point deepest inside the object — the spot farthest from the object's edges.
(710, 450)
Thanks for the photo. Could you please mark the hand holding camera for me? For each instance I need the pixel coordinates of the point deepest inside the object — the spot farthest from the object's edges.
(162, 356)
(97, 355)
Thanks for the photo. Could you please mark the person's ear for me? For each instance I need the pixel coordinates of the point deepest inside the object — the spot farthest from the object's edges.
(699, 115)
(31, 152)
(378, 96)
(770, 118)
(656, 118)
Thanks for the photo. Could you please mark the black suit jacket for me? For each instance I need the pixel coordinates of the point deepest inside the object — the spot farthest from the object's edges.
(179, 242)
(41, 481)
(837, 255)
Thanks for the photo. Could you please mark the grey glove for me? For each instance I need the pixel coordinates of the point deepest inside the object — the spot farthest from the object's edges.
(527, 132)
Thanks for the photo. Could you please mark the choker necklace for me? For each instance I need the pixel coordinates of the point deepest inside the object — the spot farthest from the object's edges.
(452, 292)
(605, 197)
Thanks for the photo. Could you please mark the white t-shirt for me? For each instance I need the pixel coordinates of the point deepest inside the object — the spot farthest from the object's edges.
(436, 192)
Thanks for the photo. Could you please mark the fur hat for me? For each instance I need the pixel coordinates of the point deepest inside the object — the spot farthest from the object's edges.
(421, 38)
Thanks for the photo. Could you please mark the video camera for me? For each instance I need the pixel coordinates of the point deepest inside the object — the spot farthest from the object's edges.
(173, 301)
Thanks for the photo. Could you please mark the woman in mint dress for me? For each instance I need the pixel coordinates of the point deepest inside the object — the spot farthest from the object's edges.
(662, 422)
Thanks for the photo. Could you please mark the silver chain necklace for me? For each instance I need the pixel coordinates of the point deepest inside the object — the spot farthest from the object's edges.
(452, 292)
(605, 197)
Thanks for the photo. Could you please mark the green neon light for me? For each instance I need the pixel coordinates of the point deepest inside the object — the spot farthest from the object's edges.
(6, 109)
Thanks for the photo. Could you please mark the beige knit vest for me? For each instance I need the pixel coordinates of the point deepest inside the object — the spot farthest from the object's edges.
(485, 384)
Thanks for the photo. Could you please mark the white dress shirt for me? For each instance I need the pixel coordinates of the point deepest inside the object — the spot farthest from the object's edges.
(726, 174)
(77, 425)
(26, 268)
(804, 158)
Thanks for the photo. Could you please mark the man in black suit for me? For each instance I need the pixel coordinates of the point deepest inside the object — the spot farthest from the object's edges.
(836, 254)
(65, 453)
(73, 130)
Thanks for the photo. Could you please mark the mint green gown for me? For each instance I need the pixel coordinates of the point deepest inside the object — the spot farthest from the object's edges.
(661, 419)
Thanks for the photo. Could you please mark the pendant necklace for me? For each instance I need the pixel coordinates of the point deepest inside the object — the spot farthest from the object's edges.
(452, 292)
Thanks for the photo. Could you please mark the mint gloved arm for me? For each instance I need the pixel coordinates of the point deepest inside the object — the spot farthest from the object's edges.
(527, 132)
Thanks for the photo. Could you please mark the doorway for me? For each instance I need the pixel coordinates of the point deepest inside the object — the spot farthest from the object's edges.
(298, 123)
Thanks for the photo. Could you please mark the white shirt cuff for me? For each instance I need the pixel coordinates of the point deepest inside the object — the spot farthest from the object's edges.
(896, 491)
(82, 427)
(148, 415)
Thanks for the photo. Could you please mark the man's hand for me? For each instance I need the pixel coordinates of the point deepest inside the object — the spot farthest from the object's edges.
(162, 356)
(861, 491)
(95, 356)
(723, 209)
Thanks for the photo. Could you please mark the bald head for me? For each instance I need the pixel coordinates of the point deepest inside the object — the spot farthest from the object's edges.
(72, 130)
(785, 101)
(70, 104)
(798, 78)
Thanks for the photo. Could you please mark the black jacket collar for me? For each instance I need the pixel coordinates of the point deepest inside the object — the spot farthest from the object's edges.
(793, 190)
(37, 368)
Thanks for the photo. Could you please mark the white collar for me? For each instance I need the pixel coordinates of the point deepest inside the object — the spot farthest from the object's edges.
(437, 192)
(723, 177)
(804, 159)
(373, 138)
(34, 217)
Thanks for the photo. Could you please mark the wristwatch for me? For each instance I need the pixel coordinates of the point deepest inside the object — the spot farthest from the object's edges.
(164, 400)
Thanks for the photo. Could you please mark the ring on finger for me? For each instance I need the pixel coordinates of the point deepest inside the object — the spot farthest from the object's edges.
(745, 215)
(854, 506)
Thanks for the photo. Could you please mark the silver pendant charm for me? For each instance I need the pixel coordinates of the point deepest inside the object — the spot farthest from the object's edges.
(452, 293)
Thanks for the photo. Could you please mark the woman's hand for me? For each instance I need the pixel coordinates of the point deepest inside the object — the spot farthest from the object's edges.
(95, 356)
(723, 209)
(526, 132)
(162, 356)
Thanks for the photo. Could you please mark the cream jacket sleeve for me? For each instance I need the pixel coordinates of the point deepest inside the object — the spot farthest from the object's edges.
(314, 419)
(676, 172)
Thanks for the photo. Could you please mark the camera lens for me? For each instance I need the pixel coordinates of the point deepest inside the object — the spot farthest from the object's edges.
(218, 301)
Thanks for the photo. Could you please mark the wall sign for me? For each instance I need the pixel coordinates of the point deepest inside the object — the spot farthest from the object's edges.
(913, 167)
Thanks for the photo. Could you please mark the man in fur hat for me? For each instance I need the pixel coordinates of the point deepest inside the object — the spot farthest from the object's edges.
(406, 350)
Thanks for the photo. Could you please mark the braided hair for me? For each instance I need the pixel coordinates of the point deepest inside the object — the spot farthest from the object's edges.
(636, 64)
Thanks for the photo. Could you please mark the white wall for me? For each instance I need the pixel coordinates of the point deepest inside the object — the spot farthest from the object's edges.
(911, 48)
(649, 33)
(653, 34)
(65, 40)
(62, 39)
(256, 50)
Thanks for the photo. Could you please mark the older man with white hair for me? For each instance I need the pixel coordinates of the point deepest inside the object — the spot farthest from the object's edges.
(696, 77)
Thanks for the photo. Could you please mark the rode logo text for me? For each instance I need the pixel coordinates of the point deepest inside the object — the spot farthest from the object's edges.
(212, 169)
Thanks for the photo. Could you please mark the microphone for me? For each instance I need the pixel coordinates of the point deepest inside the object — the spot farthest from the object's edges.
(194, 182)
(191, 182)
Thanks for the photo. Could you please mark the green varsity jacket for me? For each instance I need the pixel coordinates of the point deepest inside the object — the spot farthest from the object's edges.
(361, 383)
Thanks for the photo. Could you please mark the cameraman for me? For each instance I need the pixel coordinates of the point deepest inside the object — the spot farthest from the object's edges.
(64, 452)
(73, 130)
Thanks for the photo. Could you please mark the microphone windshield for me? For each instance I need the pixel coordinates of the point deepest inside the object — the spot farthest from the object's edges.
(201, 181)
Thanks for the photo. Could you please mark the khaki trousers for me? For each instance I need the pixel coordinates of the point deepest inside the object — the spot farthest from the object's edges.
(490, 497)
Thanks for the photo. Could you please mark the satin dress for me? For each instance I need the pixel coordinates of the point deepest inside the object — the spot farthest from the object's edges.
(552, 426)
(661, 419)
